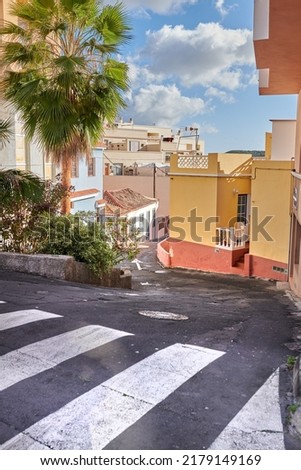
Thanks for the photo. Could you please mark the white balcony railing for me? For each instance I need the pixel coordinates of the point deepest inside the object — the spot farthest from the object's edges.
(232, 238)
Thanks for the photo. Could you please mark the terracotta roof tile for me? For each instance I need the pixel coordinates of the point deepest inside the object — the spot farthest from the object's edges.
(127, 200)
(101, 202)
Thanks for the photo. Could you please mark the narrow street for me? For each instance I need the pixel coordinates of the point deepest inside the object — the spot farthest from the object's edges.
(184, 360)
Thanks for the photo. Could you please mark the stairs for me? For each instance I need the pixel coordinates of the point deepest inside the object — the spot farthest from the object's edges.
(240, 263)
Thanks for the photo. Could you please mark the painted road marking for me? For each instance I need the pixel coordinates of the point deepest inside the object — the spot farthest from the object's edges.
(22, 317)
(258, 424)
(92, 420)
(43, 355)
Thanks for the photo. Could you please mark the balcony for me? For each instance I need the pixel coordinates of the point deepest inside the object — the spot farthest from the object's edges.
(233, 238)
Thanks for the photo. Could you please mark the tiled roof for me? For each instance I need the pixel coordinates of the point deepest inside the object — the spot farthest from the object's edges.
(83, 193)
(101, 202)
(127, 200)
(111, 210)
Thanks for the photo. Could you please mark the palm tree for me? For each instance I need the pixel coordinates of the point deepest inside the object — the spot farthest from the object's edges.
(5, 132)
(62, 75)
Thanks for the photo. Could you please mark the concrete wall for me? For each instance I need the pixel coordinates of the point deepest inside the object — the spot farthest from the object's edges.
(229, 188)
(268, 145)
(209, 194)
(283, 139)
(271, 197)
(5, 10)
(183, 254)
(64, 268)
(86, 182)
(193, 202)
(298, 137)
(143, 185)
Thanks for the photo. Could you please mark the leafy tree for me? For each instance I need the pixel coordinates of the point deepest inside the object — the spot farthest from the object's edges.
(24, 198)
(62, 75)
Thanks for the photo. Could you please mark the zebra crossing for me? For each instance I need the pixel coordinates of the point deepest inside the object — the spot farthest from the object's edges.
(93, 419)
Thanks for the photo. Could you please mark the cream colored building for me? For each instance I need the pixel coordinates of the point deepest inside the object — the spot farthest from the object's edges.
(129, 145)
(19, 153)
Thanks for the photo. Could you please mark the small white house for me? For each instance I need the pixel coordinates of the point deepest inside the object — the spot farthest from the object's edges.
(136, 208)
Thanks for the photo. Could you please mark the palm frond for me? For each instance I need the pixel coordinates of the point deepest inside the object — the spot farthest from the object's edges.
(17, 185)
(5, 131)
(67, 81)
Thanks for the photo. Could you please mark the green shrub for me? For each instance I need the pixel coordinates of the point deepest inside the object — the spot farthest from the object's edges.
(70, 235)
(30, 223)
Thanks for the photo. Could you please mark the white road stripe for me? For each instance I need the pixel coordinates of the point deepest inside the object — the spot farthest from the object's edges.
(92, 420)
(22, 317)
(258, 425)
(43, 355)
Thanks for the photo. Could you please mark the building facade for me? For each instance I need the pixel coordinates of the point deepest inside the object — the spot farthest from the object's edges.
(229, 213)
(277, 37)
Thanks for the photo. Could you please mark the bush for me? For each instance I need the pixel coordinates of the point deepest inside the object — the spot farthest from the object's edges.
(25, 198)
(30, 223)
(70, 235)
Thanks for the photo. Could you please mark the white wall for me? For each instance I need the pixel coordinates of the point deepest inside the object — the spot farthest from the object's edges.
(261, 19)
(283, 139)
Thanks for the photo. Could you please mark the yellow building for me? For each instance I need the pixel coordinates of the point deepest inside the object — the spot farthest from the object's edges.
(229, 213)
(270, 219)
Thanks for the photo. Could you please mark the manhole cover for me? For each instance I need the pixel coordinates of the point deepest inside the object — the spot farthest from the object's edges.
(163, 315)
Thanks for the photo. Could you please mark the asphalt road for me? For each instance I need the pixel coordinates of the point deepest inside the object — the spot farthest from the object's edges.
(82, 368)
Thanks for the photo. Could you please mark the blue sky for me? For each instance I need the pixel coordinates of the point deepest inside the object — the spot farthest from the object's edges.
(192, 64)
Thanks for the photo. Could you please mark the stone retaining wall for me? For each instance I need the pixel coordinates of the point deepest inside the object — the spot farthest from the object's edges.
(65, 268)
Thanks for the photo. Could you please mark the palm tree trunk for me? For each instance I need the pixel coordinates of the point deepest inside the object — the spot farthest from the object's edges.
(66, 182)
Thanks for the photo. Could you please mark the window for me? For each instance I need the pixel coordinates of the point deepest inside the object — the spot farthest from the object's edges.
(242, 208)
(91, 167)
(118, 169)
(134, 145)
(75, 167)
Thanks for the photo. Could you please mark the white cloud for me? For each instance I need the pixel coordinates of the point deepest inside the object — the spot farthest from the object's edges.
(206, 128)
(140, 75)
(164, 105)
(220, 94)
(159, 6)
(220, 6)
(207, 55)
(253, 78)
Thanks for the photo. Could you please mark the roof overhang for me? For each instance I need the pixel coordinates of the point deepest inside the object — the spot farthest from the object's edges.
(84, 194)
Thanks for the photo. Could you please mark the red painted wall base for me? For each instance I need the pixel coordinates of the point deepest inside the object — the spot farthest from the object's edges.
(181, 254)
